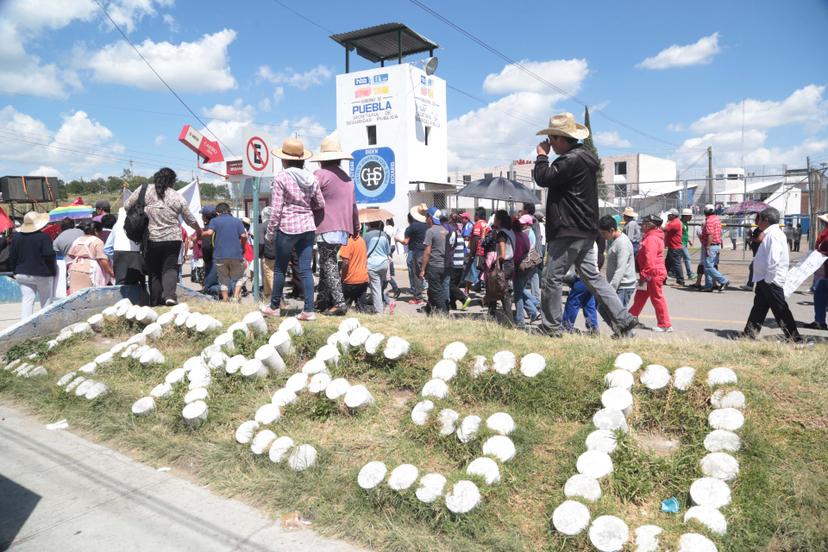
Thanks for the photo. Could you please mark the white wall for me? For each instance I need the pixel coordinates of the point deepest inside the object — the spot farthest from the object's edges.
(650, 169)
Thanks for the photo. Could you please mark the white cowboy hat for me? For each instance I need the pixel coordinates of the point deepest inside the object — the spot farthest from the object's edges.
(330, 150)
(418, 212)
(563, 124)
(629, 212)
(293, 150)
(823, 217)
(32, 222)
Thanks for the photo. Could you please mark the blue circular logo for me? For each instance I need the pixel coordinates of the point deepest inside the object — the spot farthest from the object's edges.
(372, 175)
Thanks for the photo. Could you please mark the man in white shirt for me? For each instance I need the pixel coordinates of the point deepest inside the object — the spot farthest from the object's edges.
(770, 267)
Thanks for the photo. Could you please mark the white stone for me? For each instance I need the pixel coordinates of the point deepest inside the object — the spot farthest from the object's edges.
(81, 389)
(262, 441)
(337, 388)
(197, 394)
(341, 341)
(371, 475)
(435, 388)
(254, 368)
(448, 421)
(195, 412)
(96, 322)
(161, 390)
(532, 364)
(499, 446)
(504, 362)
(683, 378)
(430, 488)
(728, 399)
(486, 468)
(146, 316)
(110, 313)
(396, 347)
(583, 486)
(720, 440)
(239, 327)
(445, 370)
(281, 340)
(711, 518)
(468, 429)
(328, 354)
(192, 320)
(153, 331)
(292, 326)
(280, 449)
(602, 440)
(66, 378)
(99, 389)
(175, 376)
(181, 319)
(297, 382)
(319, 382)
(204, 381)
(480, 366)
(611, 420)
(721, 376)
(358, 396)
(199, 373)
(244, 433)
(194, 363)
(501, 423)
(267, 414)
(143, 406)
(630, 362)
(646, 538)
(51, 344)
(283, 397)
(570, 518)
(655, 377)
(118, 347)
(403, 476)
(151, 356)
(709, 491)
(179, 308)
(234, 363)
(132, 312)
(206, 323)
(729, 419)
(226, 342)
(314, 366)
(166, 319)
(463, 497)
(420, 412)
(138, 352)
(88, 368)
(359, 336)
(455, 351)
(104, 358)
(269, 357)
(594, 463)
(348, 325)
(693, 542)
(617, 398)
(256, 322)
(608, 533)
(302, 458)
(70, 387)
(720, 465)
(373, 343)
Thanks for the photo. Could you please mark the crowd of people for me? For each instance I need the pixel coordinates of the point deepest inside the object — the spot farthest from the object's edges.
(516, 263)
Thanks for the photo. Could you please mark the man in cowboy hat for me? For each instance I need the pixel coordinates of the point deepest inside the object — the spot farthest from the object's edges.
(414, 238)
(572, 223)
(631, 228)
(341, 219)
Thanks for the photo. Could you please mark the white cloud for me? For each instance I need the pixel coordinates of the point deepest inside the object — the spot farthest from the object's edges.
(611, 139)
(128, 13)
(279, 94)
(265, 105)
(36, 15)
(567, 74)
(238, 110)
(160, 139)
(700, 52)
(289, 77)
(45, 170)
(171, 23)
(200, 66)
(675, 127)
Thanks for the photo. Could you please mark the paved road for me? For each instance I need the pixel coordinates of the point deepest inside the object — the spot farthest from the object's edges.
(61, 492)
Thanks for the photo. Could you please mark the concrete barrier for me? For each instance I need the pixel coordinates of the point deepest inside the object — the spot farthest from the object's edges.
(9, 290)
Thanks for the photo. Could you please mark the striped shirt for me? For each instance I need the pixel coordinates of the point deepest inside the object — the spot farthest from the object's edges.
(711, 229)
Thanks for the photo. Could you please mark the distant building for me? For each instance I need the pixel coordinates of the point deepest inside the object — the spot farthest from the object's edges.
(639, 174)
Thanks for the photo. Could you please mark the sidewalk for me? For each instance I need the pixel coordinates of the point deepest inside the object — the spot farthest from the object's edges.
(61, 492)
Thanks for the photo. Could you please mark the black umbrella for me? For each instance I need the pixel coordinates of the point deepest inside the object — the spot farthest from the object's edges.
(499, 188)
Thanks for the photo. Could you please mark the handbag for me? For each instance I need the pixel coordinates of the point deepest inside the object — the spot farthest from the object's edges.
(496, 285)
(136, 222)
(531, 260)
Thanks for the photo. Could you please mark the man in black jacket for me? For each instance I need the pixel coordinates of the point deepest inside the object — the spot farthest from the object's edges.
(572, 223)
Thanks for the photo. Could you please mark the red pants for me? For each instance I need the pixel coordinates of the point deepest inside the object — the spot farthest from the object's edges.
(655, 293)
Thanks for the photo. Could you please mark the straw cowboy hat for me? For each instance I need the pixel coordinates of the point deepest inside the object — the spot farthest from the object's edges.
(32, 222)
(823, 217)
(628, 212)
(293, 150)
(330, 150)
(563, 124)
(418, 212)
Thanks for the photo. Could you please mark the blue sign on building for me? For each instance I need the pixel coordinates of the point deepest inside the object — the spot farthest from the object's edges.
(374, 174)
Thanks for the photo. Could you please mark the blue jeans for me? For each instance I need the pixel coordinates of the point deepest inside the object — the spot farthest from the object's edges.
(285, 244)
(580, 298)
(688, 262)
(820, 300)
(523, 299)
(712, 275)
(439, 281)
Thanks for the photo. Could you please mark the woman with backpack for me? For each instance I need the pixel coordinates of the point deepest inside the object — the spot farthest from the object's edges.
(526, 262)
(379, 251)
(162, 205)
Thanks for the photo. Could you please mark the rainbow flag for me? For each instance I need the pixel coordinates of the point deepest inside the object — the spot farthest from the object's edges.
(75, 212)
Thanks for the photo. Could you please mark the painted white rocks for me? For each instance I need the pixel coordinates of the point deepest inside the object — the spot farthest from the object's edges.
(501, 423)
(646, 538)
(396, 348)
(302, 458)
(195, 413)
(729, 419)
(582, 486)
(683, 378)
(373, 343)
(445, 370)
(619, 378)
(721, 376)
(721, 440)
(358, 396)
(617, 398)
(630, 362)
(722, 398)
(256, 322)
(463, 497)
(693, 542)
(455, 351)
(435, 388)
(403, 476)
(261, 442)
(720, 465)
(504, 362)
(292, 326)
(245, 432)
(709, 517)
(337, 388)
(500, 447)
(602, 440)
(655, 377)
(431, 487)
(469, 426)
(282, 342)
(143, 406)
(421, 411)
(595, 464)
(448, 421)
(280, 448)
(611, 420)
(371, 475)
(608, 533)
(486, 468)
(709, 491)
(359, 336)
(480, 366)
(532, 364)
(267, 355)
(570, 518)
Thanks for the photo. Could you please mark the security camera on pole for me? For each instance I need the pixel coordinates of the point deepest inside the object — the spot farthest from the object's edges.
(257, 162)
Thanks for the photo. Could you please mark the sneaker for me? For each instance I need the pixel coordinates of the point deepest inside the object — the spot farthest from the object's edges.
(392, 306)
(537, 318)
(338, 310)
(466, 303)
(415, 302)
(668, 329)
(306, 316)
(273, 313)
(815, 326)
(171, 302)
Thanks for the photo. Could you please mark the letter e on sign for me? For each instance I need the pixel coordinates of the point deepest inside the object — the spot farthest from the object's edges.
(256, 158)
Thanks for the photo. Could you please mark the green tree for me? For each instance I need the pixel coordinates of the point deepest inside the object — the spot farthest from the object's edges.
(590, 145)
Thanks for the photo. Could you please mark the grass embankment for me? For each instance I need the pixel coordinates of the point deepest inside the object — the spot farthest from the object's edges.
(778, 498)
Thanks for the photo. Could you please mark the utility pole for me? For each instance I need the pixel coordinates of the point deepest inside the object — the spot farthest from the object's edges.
(710, 175)
(811, 212)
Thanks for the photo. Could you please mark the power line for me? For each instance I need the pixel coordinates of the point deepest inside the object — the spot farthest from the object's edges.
(308, 19)
(173, 92)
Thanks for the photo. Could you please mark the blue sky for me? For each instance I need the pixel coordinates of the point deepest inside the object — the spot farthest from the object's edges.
(76, 101)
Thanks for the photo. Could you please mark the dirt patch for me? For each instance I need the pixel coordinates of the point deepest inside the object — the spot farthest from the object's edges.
(657, 443)
(400, 397)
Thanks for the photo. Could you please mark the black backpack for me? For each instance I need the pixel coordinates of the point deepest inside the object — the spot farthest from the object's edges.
(137, 221)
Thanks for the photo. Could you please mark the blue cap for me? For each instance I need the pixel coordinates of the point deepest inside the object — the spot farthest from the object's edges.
(208, 210)
(434, 213)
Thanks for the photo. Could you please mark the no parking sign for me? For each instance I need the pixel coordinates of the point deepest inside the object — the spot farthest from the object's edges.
(256, 158)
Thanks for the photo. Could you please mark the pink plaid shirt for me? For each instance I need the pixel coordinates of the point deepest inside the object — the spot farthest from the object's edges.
(712, 228)
(293, 205)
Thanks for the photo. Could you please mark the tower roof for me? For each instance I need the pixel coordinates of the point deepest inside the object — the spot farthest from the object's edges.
(384, 42)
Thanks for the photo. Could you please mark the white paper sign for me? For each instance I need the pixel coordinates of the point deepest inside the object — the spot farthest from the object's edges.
(802, 271)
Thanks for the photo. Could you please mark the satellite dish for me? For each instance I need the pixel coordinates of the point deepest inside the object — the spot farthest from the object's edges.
(430, 66)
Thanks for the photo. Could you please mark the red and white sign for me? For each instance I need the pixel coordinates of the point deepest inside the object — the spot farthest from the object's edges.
(234, 167)
(256, 158)
(208, 150)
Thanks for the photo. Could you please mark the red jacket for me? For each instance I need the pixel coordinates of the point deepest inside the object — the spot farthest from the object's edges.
(650, 257)
(672, 233)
